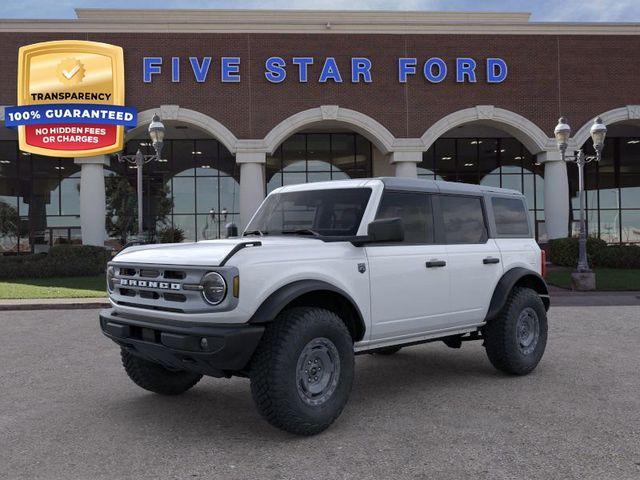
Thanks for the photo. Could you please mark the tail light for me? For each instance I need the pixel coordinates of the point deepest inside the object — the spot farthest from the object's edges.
(543, 263)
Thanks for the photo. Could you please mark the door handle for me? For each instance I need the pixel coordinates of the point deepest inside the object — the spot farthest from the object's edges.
(490, 260)
(436, 263)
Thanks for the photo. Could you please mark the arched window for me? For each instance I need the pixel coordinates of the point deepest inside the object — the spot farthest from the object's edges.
(316, 157)
(195, 187)
(498, 162)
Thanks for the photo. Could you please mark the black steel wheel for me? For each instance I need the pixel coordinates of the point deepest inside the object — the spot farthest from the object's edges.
(516, 340)
(302, 371)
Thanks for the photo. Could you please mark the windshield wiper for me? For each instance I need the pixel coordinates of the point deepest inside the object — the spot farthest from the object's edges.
(255, 232)
(301, 231)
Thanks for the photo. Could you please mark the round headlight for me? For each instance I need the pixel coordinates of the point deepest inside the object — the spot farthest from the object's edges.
(214, 288)
(111, 272)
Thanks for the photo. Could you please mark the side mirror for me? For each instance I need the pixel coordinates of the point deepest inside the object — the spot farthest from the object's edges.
(385, 230)
(232, 230)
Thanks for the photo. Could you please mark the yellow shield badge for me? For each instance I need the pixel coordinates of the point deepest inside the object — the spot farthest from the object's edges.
(71, 99)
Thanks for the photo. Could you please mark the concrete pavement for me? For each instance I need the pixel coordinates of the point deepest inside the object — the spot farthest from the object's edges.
(68, 411)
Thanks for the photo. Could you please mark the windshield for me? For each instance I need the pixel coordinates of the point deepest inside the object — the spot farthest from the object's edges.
(330, 212)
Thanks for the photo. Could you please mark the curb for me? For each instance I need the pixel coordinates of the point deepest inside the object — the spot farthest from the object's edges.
(51, 304)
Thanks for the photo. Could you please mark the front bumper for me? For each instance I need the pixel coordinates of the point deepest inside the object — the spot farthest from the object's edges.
(181, 346)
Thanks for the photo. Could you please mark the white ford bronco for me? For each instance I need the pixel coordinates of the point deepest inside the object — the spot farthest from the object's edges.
(326, 271)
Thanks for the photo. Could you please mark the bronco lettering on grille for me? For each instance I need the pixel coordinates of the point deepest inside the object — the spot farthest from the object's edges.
(128, 282)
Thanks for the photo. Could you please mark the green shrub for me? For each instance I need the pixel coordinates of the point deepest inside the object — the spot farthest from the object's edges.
(618, 256)
(61, 261)
(564, 252)
(171, 235)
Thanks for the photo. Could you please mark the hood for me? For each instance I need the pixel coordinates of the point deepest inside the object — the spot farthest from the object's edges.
(205, 253)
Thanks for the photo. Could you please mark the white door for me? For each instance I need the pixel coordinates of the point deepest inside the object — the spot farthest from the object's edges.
(475, 263)
(410, 280)
(407, 297)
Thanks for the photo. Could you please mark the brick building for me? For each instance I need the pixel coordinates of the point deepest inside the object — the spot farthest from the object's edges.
(256, 99)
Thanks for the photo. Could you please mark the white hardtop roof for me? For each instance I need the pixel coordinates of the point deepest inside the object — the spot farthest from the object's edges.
(400, 183)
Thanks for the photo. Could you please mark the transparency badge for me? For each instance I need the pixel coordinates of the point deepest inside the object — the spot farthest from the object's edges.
(70, 99)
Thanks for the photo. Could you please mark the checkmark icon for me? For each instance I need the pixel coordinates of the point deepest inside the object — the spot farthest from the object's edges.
(71, 73)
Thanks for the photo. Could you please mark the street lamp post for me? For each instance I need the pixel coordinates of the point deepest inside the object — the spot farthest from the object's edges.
(562, 133)
(156, 133)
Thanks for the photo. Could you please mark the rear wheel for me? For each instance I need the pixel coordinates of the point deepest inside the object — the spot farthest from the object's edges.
(515, 341)
(155, 378)
(302, 371)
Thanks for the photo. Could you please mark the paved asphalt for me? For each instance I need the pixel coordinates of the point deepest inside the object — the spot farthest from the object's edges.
(67, 411)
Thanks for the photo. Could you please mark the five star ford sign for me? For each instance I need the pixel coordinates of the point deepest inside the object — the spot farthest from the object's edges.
(70, 99)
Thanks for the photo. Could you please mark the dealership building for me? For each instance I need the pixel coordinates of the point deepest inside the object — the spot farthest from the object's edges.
(252, 100)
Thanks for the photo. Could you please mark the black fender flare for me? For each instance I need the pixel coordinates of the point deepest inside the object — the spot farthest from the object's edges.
(278, 300)
(509, 280)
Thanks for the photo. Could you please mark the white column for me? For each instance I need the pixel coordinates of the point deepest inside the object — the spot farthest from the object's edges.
(406, 163)
(556, 194)
(252, 184)
(93, 209)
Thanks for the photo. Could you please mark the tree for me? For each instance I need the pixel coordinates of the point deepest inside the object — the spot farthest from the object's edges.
(9, 222)
(122, 208)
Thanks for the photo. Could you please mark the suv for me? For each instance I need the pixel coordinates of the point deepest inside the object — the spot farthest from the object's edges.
(326, 271)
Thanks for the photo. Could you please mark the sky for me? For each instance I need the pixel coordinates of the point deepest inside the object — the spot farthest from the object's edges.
(542, 10)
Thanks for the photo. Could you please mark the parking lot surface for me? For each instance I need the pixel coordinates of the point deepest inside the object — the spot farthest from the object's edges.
(68, 411)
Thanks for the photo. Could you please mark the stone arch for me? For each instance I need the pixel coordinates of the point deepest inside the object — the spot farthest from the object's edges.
(622, 114)
(200, 120)
(382, 138)
(527, 132)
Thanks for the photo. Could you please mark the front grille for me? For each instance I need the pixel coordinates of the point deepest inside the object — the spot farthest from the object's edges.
(149, 273)
(155, 287)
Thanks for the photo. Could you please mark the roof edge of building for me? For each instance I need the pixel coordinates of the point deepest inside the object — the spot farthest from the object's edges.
(262, 16)
(96, 20)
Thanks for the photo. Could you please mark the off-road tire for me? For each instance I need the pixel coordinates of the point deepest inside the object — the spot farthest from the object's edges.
(388, 350)
(155, 378)
(501, 335)
(275, 367)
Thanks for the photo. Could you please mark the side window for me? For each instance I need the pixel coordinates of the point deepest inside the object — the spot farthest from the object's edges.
(463, 219)
(511, 217)
(415, 211)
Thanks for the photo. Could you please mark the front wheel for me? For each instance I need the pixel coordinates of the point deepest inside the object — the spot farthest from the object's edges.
(155, 378)
(302, 371)
(515, 341)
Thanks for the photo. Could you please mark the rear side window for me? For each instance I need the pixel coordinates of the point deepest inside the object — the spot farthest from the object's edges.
(511, 217)
(415, 211)
(463, 219)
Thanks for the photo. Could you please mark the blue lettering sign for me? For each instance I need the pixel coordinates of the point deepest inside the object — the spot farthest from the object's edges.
(465, 67)
(428, 70)
(360, 67)
(275, 69)
(406, 66)
(303, 66)
(330, 71)
(434, 69)
(200, 71)
(151, 66)
(175, 69)
(496, 70)
(230, 69)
